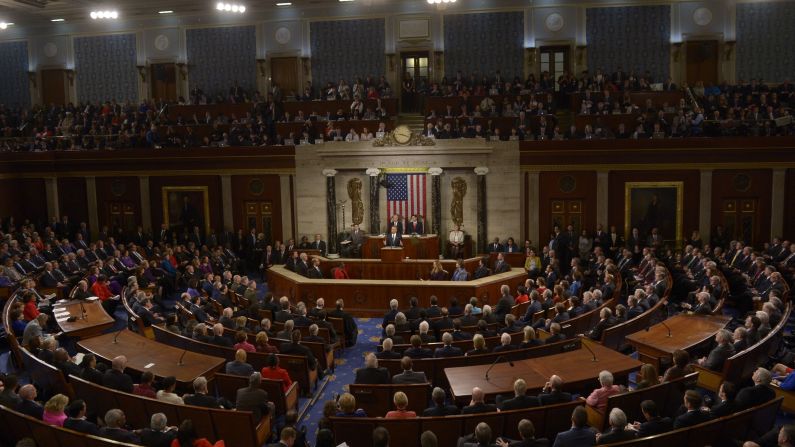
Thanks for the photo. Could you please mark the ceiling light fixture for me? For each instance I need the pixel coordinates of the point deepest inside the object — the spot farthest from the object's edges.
(341, 1)
(168, 11)
(230, 7)
(57, 20)
(436, 2)
(284, 4)
(3, 25)
(104, 15)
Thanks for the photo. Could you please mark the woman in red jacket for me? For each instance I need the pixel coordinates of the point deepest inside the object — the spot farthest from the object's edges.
(31, 310)
(273, 372)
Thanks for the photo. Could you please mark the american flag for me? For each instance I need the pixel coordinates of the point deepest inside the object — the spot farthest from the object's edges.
(406, 195)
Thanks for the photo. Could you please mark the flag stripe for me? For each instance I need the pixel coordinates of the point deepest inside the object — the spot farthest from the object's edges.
(406, 196)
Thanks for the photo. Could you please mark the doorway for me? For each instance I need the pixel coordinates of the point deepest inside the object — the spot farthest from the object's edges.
(284, 72)
(414, 82)
(555, 61)
(164, 81)
(702, 62)
(53, 87)
(259, 215)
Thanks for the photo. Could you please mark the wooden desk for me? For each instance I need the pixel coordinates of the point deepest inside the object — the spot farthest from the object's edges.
(392, 254)
(95, 322)
(576, 368)
(414, 247)
(687, 332)
(144, 354)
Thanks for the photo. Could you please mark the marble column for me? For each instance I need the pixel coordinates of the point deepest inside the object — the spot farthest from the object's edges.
(436, 204)
(778, 203)
(602, 198)
(51, 191)
(482, 217)
(146, 207)
(375, 216)
(331, 210)
(287, 206)
(704, 205)
(533, 196)
(226, 202)
(91, 201)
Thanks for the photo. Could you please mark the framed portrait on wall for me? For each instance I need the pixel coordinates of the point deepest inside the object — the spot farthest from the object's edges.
(650, 205)
(185, 207)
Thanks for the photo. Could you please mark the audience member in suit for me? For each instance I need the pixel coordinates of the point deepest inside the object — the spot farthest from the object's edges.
(478, 346)
(458, 334)
(727, 404)
(294, 347)
(480, 438)
(618, 428)
(694, 414)
(159, 434)
(409, 375)
(253, 398)
(90, 371)
(447, 350)
(580, 434)
(386, 351)
(606, 320)
(739, 340)
(287, 439)
(434, 310)
(115, 421)
(389, 332)
(757, 394)
(483, 328)
(218, 337)
(200, 398)
(654, 424)
(28, 404)
(505, 344)
(555, 335)
(505, 303)
(553, 392)
(500, 266)
(481, 271)
(424, 327)
(478, 403)
(8, 396)
(76, 419)
(440, 408)
(442, 324)
(371, 373)
(238, 366)
(115, 377)
(520, 398)
(527, 433)
(349, 324)
(416, 351)
(717, 357)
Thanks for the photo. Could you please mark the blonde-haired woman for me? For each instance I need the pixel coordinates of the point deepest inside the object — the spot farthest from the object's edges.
(54, 410)
(346, 406)
(438, 273)
(401, 401)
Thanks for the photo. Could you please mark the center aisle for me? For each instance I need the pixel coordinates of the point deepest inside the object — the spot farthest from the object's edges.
(344, 374)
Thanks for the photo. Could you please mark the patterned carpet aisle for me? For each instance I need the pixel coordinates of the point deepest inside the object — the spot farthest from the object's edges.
(352, 358)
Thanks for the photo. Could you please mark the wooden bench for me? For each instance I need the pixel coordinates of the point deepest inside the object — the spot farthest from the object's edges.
(548, 421)
(742, 365)
(226, 385)
(434, 367)
(297, 366)
(234, 427)
(13, 342)
(17, 426)
(49, 379)
(376, 400)
(667, 396)
(747, 424)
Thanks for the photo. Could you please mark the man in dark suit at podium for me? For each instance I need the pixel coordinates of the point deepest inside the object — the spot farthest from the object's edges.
(393, 239)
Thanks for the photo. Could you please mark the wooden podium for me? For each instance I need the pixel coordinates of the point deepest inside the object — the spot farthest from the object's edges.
(392, 254)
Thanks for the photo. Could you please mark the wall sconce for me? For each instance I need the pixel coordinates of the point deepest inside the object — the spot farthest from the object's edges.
(305, 65)
(141, 72)
(728, 48)
(531, 55)
(183, 69)
(391, 58)
(580, 52)
(32, 78)
(70, 76)
(262, 64)
(677, 52)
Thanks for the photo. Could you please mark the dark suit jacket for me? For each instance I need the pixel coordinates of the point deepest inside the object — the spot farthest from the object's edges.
(202, 400)
(372, 376)
(576, 437)
(519, 402)
(555, 397)
(117, 381)
(655, 426)
(30, 408)
(84, 426)
(151, 438)
(754, 395)
(296, 349)
(418, 353)
(314, 273)
(388, 355)
(479, 408)
(393, 242)
(448, 351)
(254, 400)
(724, 408)
(718, 356)
(410, 377)
(691, 418)
(614, 435)
(118, 434)
(446, 410)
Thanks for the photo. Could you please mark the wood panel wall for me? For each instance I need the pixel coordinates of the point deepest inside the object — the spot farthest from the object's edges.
(72, 198)
(553, 187)
(242, 192)
(730, 184)
(29, 199)
(117, 189)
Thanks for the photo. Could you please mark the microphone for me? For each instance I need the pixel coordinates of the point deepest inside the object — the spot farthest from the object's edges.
(667, 327)
(179, 362)
(115, 337)
(499, 357)
(585, 345)
(83, 313)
